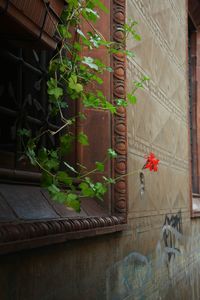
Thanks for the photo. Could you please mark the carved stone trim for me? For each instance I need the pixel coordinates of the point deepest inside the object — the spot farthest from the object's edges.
(28, 230)
(119, 122)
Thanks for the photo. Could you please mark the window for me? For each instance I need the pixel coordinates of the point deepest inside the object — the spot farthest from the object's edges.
(194, 84)
(27, 216)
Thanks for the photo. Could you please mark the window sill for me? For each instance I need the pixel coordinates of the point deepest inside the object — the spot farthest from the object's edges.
(27, 235)
(29, 219)
(195, 209)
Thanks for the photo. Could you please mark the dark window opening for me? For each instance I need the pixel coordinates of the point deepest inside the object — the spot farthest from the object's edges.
(24, 104)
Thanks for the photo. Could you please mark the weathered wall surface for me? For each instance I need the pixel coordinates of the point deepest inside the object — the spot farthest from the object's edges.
(160, 218)
(159, 256)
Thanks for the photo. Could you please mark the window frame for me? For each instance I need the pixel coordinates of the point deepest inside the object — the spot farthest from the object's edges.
(23, 235)
(194, 109)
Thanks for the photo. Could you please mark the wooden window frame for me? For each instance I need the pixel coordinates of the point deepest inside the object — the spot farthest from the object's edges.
(23, 235)
(194, 110)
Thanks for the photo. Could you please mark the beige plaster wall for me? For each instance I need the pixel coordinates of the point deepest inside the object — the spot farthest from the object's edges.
(158, 122)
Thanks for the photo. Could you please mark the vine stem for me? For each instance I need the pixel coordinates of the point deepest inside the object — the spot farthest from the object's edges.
(42, 168)
(128, 174)
(95, 30)
(62, 127)
(92, 171)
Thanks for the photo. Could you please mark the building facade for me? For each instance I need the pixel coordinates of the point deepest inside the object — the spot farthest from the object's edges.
(157, 255)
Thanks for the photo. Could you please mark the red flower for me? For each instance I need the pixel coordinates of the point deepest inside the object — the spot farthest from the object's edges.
(151, 163)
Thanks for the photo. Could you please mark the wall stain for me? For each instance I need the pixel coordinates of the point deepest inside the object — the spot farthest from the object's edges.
(129, 278)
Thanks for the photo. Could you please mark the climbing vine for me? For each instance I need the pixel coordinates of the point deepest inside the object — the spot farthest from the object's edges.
(70, 75)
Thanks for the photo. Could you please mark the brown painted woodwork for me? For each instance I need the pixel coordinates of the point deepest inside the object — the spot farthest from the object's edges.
(194, 37)
(98, 123)
(31, 22)
(194, 11)
(21, 233)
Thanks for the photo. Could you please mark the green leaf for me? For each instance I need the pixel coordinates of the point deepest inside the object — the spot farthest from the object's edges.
(138, 84)
(95, 39)
(129, 53)
(121, 102)
(74, 85)
(64, 32)
(32, 156)
(137, 37)
(24, 132)
(109, 69)
(90, 14)
(89, 61)
(83, 139)
(109, 180)
(53, 189)
(52, 161)
(53, 89)
(42, 154)
(81, 33)
(131, 98)
(89, 181)
(91, 100)
(72, 201)
(59, 197)
(57, 92)
(109, 106)
(99, 166)
(145, 78)
(82, 116)
(66, 142)
(86, 190)
(100, 190)
(64, 178)
(99, 4)
(77, 46)
(112, 153)
(52, 164)
(93, 189)
(46, 179)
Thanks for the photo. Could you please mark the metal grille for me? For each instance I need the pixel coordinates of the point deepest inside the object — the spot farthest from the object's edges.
(23, 101)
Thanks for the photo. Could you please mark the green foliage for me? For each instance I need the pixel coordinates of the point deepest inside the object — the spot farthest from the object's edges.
(24, 132)
(70, 76)
(99, 166)
(74, 87)
(66, 143)
(109, 180)
(131, 97)
(89, 61)
(63, 177)
(53, 89)
(129, 28)
(86, 190)
(112, 153)
(83, 139)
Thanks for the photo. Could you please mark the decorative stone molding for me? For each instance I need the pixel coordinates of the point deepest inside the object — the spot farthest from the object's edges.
(119, 122)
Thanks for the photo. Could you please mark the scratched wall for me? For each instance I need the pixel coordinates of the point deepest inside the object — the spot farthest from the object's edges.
(164, 262)
(158, 257)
